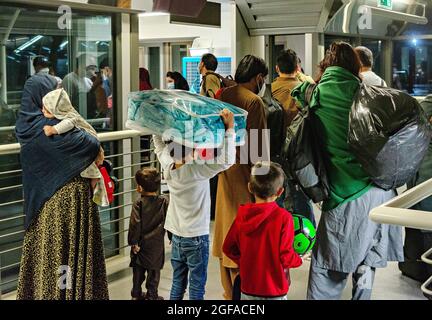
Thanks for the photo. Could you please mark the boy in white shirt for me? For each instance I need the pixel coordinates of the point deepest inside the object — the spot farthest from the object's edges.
(188, 216)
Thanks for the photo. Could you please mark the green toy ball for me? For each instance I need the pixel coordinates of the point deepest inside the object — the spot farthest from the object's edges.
(304, 234)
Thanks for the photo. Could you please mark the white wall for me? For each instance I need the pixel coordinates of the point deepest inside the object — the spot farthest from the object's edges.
(159, 29)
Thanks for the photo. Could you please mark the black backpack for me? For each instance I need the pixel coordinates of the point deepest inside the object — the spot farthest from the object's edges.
(303, 160)
(275, 122)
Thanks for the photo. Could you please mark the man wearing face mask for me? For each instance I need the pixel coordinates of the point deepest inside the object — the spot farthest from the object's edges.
(233, 183)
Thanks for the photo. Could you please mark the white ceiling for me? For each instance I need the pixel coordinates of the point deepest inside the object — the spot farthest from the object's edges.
(284, 16)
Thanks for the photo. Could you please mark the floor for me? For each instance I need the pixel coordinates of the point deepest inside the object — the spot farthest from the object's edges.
(390, 284)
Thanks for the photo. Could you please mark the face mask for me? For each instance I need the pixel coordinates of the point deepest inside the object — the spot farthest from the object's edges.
(171, 86)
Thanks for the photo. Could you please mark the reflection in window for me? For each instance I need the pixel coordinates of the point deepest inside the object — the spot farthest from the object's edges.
(412, 69)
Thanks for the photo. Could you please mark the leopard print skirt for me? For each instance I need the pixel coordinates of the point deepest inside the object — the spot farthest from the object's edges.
(63, 257)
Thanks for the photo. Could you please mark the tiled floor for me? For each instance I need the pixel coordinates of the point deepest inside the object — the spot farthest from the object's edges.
(389, 283)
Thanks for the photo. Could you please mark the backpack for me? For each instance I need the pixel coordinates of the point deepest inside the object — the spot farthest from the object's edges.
(225, 82)
(389, 134)
(275, 122)
(111, 182)
(303, 161)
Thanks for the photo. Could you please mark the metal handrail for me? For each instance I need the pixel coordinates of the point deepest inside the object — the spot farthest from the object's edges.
(397, 212)
(14, 148)
(428, 283)
(103, 137)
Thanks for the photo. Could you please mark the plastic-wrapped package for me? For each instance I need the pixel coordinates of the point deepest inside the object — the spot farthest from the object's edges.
(389, 134)
(184, 117)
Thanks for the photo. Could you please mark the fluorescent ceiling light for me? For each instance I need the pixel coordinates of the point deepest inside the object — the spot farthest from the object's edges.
(153, 14)
(63, 44)
(29, 43)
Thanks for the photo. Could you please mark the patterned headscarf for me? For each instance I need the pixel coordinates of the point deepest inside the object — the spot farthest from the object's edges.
(58, 103)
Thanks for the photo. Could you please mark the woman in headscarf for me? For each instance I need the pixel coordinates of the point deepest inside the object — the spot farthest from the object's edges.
(62, 256)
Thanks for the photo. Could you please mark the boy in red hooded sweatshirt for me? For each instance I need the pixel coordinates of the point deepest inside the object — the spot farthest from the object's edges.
(261, 238)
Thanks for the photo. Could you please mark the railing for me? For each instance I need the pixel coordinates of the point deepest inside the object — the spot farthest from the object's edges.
(128, 161)
(397, 212)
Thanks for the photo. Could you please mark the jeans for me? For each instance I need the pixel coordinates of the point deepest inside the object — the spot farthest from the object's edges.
(189, 260)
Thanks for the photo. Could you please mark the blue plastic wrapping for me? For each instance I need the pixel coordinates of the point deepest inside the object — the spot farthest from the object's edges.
(183, 117)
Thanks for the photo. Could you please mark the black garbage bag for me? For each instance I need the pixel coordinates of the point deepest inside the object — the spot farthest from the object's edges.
(389, 135)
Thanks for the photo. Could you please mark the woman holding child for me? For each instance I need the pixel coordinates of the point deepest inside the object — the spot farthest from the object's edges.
(63, 256)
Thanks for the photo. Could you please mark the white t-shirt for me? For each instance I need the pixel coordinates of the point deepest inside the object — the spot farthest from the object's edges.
(188, 212)
(372, 79)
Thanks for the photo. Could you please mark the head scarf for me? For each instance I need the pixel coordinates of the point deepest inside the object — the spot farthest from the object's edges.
(57, 102)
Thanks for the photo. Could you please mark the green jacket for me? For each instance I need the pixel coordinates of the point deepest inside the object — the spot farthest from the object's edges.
(335, 94)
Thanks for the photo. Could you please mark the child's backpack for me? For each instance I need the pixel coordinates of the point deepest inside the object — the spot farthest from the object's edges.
(303, 161)
(111, 182)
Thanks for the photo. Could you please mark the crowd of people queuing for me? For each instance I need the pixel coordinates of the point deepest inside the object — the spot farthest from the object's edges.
(253, 232)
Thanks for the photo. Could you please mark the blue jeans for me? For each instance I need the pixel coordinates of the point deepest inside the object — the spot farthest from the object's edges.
(189, 260)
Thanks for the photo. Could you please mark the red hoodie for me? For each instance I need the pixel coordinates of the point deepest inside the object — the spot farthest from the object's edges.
(260, 241)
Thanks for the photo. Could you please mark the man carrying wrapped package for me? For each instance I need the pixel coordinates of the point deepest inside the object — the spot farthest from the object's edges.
(188, 216)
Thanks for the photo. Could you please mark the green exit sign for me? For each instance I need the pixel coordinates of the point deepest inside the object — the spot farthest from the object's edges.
(386, 4)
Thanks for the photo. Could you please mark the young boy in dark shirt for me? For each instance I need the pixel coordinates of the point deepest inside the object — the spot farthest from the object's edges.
(146, 234)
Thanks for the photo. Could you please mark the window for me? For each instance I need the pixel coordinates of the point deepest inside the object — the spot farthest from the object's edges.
(412, 67)
(82, 59)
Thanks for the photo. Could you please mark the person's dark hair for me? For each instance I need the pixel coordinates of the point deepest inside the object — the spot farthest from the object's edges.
(366, 56)
(341, 54)
(179, 81)
(104, 63)
(41, 62)
(149, 179)
(210, 61)
(249, 67)
(288, 61)
(178, 151)
(144, 77)
(266, 185)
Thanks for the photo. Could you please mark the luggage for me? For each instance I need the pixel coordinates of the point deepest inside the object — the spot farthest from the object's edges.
(183, 117)
(389, 135)
(302, 154)
(275, 122)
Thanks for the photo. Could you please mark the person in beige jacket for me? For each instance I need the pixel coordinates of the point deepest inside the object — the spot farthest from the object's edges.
(233, 183)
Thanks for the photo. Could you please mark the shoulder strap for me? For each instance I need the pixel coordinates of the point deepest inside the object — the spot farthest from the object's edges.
(309, 92)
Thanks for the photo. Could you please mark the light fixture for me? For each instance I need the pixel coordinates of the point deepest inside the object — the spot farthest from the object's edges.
(153, 14)
(28, 43)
